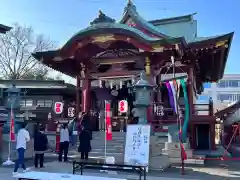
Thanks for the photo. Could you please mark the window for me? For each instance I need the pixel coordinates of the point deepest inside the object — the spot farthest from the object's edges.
(40, 103)
(26, 103)
(222, 84)
(229, 97)
(229, 83)
(48, 103)
(207, 85)
(203, 97)
(44, 103)
(234, 83)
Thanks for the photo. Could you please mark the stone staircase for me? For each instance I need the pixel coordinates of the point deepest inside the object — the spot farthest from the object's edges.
(114, 148)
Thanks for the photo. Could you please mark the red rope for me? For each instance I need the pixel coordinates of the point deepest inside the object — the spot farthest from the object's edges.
(230, 142)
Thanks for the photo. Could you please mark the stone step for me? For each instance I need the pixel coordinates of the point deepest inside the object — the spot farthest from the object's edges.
(100, 150)
(94, 141)
(108, 147)
(113, 133)
(113, 138)
(108, 154)
(188, 161)
(103, 139)
(107, 144)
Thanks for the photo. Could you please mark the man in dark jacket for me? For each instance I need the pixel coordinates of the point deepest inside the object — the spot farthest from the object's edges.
(40, 146)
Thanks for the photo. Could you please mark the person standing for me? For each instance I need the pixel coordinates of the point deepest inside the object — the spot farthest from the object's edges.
(22, 138)
(64, 143)
(40, 146)
(85, 143)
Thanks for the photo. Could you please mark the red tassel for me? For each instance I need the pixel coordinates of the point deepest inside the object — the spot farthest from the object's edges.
(184, 154)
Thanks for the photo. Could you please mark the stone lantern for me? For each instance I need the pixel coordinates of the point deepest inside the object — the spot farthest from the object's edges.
(143, 92)
(12, 102)
(13, 98)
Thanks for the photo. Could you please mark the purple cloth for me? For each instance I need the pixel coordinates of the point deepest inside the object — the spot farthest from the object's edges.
(170, 95)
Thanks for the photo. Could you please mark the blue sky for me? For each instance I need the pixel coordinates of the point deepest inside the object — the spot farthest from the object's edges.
(61, 19)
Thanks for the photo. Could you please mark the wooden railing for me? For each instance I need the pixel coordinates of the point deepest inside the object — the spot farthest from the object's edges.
(167, 113)
(164, 116)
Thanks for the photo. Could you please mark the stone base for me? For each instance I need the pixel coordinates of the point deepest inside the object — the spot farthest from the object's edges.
(173, 153)
(29, 153)
(173, 150)
(188, 161)
(159, 162)
(176, 145)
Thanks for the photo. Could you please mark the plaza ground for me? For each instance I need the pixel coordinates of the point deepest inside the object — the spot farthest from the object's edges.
(212, 170)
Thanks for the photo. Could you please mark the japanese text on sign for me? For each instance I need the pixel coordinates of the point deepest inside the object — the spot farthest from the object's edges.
(123, 106)
(137, 144)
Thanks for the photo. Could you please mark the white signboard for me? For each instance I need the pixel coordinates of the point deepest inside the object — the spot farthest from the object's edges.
(137, 145)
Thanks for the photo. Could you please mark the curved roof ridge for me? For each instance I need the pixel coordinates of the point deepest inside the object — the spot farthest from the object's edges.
(112, 25)
(131, 10)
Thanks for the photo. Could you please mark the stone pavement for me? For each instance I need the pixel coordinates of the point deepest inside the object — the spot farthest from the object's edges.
(211, 172)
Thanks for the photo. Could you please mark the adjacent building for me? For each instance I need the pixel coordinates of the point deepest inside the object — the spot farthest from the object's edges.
(37, 101)
(223, 93)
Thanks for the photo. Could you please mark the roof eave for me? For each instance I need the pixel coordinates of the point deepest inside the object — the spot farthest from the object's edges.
(232, 108)
(226, 55)
(206, 42)
(157, 22)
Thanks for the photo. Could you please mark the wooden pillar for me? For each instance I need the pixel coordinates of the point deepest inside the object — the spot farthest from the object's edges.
(150, 80)
(193, 141)
(212, 136)
(78, 89)
(86, 96)
(190, 91)
(158, 93)
(1, 138)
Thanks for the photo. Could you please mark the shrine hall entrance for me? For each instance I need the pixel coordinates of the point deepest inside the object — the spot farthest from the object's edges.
(203, 136)
(112, 95)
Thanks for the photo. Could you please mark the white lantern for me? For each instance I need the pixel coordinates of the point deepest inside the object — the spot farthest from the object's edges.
(71, 112)
(58, 107)
(123, 106)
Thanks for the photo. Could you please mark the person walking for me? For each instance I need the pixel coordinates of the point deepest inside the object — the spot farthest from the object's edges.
(40, 146)
(64, 143)
(22, 138)
(85, 143)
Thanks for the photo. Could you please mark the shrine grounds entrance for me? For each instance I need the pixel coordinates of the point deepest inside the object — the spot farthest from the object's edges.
(230, 143)
(203, 136)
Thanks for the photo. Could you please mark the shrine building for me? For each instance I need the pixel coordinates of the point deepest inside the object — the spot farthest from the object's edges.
(107, 57)
(4, 29)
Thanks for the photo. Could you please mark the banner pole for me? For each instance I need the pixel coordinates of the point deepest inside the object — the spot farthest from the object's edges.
(9, 162)
(105, 131)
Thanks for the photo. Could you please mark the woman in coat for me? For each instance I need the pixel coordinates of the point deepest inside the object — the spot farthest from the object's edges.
(85, 143)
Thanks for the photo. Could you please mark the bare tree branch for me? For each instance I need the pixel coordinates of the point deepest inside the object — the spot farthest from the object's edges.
(16, 48)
